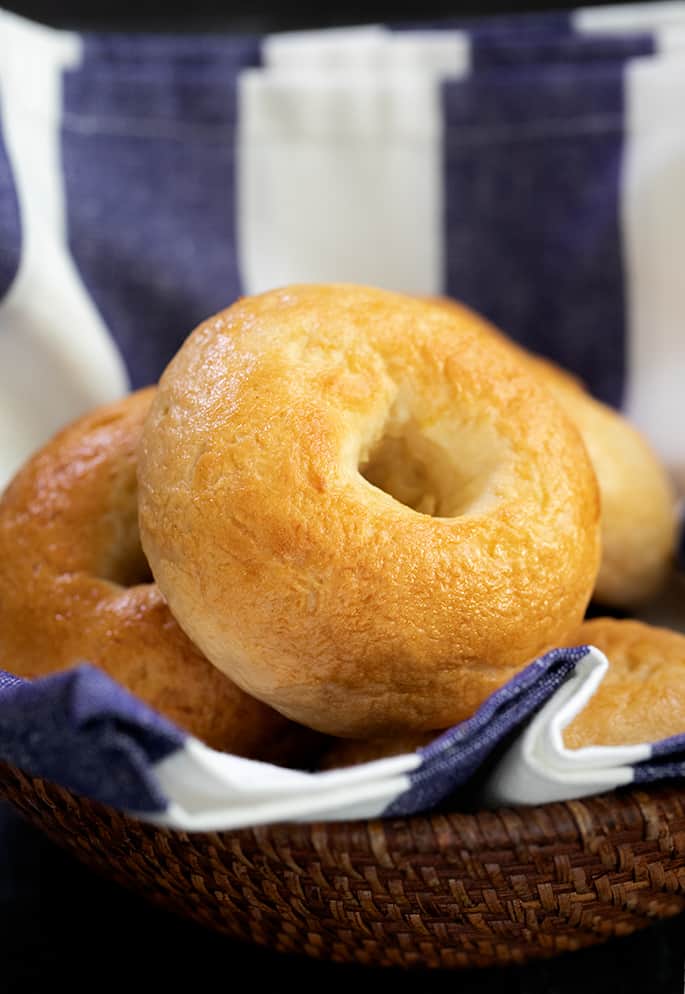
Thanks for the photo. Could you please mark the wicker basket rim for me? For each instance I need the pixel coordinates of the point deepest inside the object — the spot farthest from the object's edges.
(575, 819)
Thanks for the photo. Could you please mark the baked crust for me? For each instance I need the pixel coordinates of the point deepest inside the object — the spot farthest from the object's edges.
(280, 433)
(74, 588)
(642, 696)
(638, 499)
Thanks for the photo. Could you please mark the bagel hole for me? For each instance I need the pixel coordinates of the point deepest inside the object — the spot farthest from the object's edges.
(424, 471)
(129, 570)
(123, 562)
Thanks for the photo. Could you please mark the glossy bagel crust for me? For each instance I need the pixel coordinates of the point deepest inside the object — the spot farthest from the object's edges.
(72, 588)
(638, 523)
(278, 436)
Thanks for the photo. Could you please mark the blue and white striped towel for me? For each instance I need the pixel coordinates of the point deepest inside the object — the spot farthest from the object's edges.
(532, 167)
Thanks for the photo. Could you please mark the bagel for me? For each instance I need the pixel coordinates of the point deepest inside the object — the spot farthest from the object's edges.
(642, 696)
(353, 752)
(75, 586)
(640, 699)
(638, 522)
(366, 520)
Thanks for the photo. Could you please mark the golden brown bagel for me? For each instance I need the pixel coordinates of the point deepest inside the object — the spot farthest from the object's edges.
(638, 500)
(367, 521)
(74, 587)
(352, 752)
(641, 698)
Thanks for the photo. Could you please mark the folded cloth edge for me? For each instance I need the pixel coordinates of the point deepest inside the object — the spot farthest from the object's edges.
(81, 730)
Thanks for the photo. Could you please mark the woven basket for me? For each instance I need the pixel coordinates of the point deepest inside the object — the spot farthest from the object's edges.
(448, 890)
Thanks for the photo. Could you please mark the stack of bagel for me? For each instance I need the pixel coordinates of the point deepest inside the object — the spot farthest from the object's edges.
(338, 523)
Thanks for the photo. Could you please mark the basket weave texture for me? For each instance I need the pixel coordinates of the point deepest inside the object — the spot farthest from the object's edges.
(442, 890)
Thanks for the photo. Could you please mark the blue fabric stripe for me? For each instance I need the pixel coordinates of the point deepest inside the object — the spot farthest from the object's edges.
(8, 681)
(81, 730)
(211, 53)
(149, 160)
(667, 761)
(668, 747)
(532, 164)
(513, 49)
(519, 24)
(10, 223)
(452, 760)
(653, 772)
(500, 42)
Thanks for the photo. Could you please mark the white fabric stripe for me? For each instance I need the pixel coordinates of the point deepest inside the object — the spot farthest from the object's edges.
(447, 53)
(627, 18)
(665, 23)
(538, 768)
(443, 52)
(329, 49)
(212, 791)
(340, 158)
(653, 220)
(56, 357)
(669, 40)
(340, 179)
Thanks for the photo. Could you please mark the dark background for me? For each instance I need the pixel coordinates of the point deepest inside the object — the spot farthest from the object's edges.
(62, 927)
(254, 15)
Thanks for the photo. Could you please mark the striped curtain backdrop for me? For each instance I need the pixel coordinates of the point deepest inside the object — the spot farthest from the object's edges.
(532, 168)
